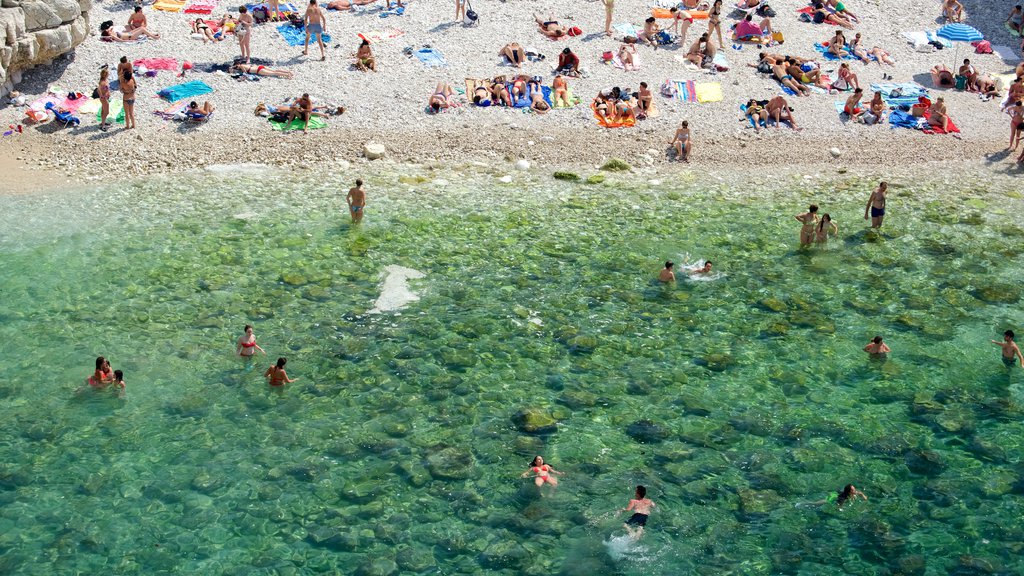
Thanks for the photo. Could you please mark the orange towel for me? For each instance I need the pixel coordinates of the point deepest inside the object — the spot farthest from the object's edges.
(609, 123)
(665, 13)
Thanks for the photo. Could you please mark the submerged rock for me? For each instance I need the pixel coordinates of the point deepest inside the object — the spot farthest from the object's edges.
(595, 179)
(567, 176)
(535, 421)
(615, 165)
(451, 464)
(647, 432)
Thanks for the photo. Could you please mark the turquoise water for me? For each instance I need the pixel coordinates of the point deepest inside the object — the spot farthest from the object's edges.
(738, 401)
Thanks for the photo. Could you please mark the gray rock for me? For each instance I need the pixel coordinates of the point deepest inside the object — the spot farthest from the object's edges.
(36, 32)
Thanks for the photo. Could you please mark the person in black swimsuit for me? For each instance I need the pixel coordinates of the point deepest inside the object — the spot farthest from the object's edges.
(876, 205)
(641, 507)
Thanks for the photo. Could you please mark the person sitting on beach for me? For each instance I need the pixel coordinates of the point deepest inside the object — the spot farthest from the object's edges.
(747, 30)
(837, 45)
(499, 92)
(666, 274)
(644, 98)
(199, 113)
(276, 376)
(258, 70)
(301, 108)
(942, 77)
(952, 11)
(756, 112)
(568, 63)
(876, 347)
(856, 46)
(786, 79)
(441, 99)
(542, 473)
(779, 109)
(852, 107)
(514, 53)
(826, 228)
(110, 35)
(806, 74)
(702, 52)
(627, 53)
(137, 19)
(970, 73)
(846, 79)
(821, 16)
(560, 91)
(550, 27)
(650, 33)
(681, 21)
(364, 57)
(681, 142)
(1010, 350)
(876, 110)
(840, 9)
(200, 27)
(938, 116)
(1015, 21)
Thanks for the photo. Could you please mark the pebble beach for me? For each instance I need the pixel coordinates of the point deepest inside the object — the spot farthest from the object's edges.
(387, 106)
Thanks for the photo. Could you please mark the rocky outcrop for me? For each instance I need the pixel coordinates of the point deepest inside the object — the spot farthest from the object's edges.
(36, 32)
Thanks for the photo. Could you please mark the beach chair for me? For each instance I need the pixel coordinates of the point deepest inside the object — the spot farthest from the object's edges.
(64, 116)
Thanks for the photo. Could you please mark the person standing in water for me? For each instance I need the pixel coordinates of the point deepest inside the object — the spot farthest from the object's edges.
(876, 348)
(666, 274)
(641, 507)
(246, 346)
(542, 473)
(809, 220)
(356, 202)
(826, 228)
(876, 205)
(276, 375)
(1011, 353)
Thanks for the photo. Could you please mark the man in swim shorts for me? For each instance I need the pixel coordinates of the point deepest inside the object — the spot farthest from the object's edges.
(1011, 353)
(316, 24)
(876, 205)
(641, 508)
(356, 202)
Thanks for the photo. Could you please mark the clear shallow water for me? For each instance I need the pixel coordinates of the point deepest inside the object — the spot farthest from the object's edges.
(736, 401)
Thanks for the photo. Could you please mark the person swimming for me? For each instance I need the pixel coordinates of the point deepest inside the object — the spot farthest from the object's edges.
(847, 495)
(641, 507)
(276, 375)
(705, 269)
(876, 348)
(543, 473)
(246, 346)
(666, 274)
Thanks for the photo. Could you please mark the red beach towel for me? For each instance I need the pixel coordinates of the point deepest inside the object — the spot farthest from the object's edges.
(157, 63)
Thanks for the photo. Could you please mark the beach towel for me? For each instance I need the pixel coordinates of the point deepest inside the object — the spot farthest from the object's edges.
(626, 30)
(396, 11)
(471, 86)
(1014, 33)
(572, 100)
(315, 123)
(171, 111)
(281, 7)
(297, 36)
(186, 90)
(90, 107)
(169, 5)
(933, 37)
(156, 63)
(1009, 55)
(823, 50)
(201, 7)
(901, 119)
(906, 93)
(750, 120)
(929, 129)
(720, 62)
(431, 57)
(686, 90)
(377, 36)
(666, 13)
(709, 92)
(59, 101)
(116, 112)
(609, 123)
(617, 62)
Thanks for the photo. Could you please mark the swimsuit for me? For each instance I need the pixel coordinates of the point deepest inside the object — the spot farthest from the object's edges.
(637, 519)
(356, 208)
(313, 29)
(877, 212)
(1009, 361)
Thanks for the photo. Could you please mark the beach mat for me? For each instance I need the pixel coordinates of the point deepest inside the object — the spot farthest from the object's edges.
(1012, 32)
(686, 90)
(186, 90)
(709, 92)
(910, 93)
(315, 123)
(929, 129)
(116, 112)
(378, 36)
(431, 58)
(570, 97)
(281, 7)
(607, 123)
(59, 101)
(720, 62)
(743, 108)
(169, 5)
(156, 63)
(666, 13)
(823, 50)
(201, 7)
(626, 29)
(297, 36)
(1009, 55)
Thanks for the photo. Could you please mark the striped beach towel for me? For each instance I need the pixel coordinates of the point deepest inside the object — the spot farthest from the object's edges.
(686, 90)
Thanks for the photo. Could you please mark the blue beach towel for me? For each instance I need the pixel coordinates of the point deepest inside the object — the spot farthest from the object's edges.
(901, 119)
(397, 11)
(750, 120)
(626, 29)
(186, 90)
(431, 57)
(297, 36)
(908, 95)
(823, 50)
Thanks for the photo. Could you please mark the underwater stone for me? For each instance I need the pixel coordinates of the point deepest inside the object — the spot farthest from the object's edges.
(577, 399)
(535, 421)
(636, 388)
(414, 559)
(773, 305)
(717, 362)
(595, 179)
(582, 344)
(291, 279)
(451, 464)
(924, 462)
(758, 501)
(997, 294)
(504, 553)
(646, 432)
(615, 165)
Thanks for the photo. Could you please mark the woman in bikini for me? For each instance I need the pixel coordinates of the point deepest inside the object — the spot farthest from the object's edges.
(131, 36)
(128, 98)
(858, 50)
(246, 346)
(514, 53)
(243, 29)
(627, 51)
(809, 221)
(276, 375)
(103, 90)
(364, 57)
(542, 473)
(202, 28)
(757, 114)
(825, 229)
(441, 98)
(715, 21)
(103, 374)
(499, 93)
(681, 142)
(938, 116)
(550, 28)
(261, 71)
(560, 91)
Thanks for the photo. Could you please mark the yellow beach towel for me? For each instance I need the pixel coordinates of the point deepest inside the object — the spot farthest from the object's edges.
(169, 5)
(709, 92)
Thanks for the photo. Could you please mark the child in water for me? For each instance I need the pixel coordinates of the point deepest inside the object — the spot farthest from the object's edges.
(543, 473)
(641, 507)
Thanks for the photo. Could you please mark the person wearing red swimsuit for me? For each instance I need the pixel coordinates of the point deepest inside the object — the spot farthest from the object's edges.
(103, 374)
(276, 375)
(246, 346)
(542, 473)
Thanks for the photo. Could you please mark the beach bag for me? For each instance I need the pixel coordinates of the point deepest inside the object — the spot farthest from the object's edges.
(608, 56)
(766, 10)
(961, 82)
(778, 37)
(471, 18)
(668, 89)
(260, 15)
(764, 68)
(982, 47)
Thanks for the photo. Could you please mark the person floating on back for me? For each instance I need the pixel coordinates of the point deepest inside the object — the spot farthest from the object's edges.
(1011, 353)
(641, 507)
(542, 473)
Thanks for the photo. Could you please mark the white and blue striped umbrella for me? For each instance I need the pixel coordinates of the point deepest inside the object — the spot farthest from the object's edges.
(959, 33)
